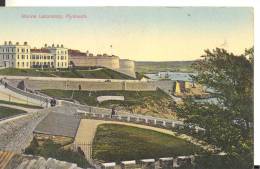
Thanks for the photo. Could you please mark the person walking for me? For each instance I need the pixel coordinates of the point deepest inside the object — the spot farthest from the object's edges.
(113, 112)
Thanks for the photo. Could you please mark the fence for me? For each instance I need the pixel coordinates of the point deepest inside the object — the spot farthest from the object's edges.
(131, 118)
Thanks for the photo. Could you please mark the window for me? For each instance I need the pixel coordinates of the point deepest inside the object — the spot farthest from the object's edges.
(58, 64)
(27, 56)
(44, 57)
(17, 56)
(61, 57)
(27, 64)
(62, 64)
(18, 64)
(58, 57)
(22, 64)
(48, 57)
(22, 56)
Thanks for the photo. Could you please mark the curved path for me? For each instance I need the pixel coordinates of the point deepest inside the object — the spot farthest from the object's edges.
(87, 130)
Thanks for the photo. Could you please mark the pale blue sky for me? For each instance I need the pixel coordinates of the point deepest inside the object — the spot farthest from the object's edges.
(138, 33)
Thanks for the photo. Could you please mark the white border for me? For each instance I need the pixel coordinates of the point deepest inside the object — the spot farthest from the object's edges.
(177, 3)
(74, 3)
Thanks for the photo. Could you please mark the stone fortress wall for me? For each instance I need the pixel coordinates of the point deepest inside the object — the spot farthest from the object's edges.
(103, 61)
(109, 61)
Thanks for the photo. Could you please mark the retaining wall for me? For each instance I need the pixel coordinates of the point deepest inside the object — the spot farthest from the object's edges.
(37, 83)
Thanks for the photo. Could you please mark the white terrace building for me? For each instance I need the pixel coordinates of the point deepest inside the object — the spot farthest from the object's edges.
(22, 56)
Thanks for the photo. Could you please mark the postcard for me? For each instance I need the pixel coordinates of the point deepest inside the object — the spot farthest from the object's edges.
(127, 87)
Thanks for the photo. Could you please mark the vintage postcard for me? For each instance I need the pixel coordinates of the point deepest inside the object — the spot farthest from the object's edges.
(126, 87)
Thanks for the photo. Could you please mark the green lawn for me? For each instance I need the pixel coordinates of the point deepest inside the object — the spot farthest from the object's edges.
(7, 112)
(115, 142)
(89, 97)
(102, 73)
(20, 104)
(153, 103)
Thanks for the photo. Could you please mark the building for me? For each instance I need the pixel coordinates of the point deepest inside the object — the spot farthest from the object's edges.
(81, 59)
(22, 56)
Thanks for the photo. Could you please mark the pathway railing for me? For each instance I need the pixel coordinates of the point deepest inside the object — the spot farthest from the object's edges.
(131, 118)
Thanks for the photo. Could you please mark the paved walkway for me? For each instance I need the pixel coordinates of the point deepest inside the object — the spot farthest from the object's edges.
(87, 130)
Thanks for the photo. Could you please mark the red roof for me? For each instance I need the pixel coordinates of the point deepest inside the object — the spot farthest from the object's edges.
(41, 50)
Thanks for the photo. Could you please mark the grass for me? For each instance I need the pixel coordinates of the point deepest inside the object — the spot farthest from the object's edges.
(102, 73)
(89, 97)
(20, 104)
(8, 112)
(115, 142)
(153, 103)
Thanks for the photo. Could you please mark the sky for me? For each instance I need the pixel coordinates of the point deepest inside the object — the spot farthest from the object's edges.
(137, 33)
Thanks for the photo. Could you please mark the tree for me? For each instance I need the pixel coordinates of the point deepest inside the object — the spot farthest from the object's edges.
(228, 123)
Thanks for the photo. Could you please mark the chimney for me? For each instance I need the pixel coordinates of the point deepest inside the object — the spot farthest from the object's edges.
(61, 45)
(25, 43)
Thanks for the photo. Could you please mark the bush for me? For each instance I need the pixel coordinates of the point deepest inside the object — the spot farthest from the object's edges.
(54, 150)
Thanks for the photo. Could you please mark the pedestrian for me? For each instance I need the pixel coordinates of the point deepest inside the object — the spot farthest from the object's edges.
(113, 112)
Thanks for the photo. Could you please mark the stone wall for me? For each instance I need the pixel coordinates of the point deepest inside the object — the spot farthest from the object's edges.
(95, 85)
(111, 62)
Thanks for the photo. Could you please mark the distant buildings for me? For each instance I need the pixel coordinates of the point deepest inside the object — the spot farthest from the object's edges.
(22, 56)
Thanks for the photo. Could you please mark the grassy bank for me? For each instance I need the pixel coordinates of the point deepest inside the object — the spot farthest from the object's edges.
(101, 73)
(20, 104)
(115, 142)
(154, 103)
(8, 112)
